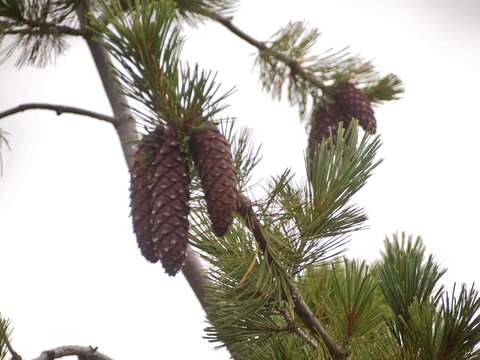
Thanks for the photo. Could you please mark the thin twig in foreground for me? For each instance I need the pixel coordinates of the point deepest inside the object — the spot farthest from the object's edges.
(59, 109)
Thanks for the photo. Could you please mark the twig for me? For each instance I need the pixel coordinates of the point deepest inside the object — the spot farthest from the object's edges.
(59, 109)
(41, 28)
(82, 352)
(15, 355)
(295, 67)
(300, 306)
(298, 331)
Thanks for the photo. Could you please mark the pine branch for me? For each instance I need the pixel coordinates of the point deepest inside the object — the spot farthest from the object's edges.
(300, 306)
(295, 67)
(82, 352)
(59, 109)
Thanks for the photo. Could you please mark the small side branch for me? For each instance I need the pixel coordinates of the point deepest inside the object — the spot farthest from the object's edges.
(300, 306)
(82, 352)
(59, 109)
(295, 67)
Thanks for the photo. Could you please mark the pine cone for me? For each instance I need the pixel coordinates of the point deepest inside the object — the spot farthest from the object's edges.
(324, 124)
(213, 159)
(140, 198)
(170, 183)
(352, 102)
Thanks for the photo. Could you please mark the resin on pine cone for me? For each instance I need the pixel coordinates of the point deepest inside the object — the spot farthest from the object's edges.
(213, 160)
(352, 102)
(140, 198)
(170, 186)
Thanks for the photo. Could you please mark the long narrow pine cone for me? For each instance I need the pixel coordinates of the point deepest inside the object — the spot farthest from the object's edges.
(352, 102)
(213, 159)
(324, 123)
(140, 197)
(170, 183)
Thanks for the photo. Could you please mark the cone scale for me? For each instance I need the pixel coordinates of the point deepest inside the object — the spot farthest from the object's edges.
(352, 102)
(140, 198)
(170, 183)
(324, 123)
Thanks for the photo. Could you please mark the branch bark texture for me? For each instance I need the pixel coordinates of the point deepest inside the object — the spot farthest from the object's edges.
(82, 352)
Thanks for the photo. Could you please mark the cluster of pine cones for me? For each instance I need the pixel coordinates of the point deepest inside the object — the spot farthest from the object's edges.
(348, 102)
(160, 191)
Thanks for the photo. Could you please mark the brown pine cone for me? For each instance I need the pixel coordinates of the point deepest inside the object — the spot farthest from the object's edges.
(170, 183)
(352, 102)
(213, 159)
(324, 123)
(141, 198)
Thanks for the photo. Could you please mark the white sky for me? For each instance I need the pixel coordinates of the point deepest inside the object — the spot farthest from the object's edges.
(71, 270)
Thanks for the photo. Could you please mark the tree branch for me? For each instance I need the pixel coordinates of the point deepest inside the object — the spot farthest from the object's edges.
(295, 67)
(300, 306)
(59, 109)
(82, 352)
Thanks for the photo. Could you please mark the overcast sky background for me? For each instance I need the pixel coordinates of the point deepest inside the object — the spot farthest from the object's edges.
(71, 270)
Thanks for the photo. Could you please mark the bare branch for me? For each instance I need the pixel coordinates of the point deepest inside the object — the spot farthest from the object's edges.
(295, 67)
(59, 109)
(300, 306)
(82, 352)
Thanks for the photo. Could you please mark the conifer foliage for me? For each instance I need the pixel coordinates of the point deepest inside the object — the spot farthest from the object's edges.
(276, 286)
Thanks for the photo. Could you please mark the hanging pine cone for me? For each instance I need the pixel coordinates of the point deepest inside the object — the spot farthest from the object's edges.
(170, 184)
(213, 159)
(324, 123)
(352, 102)
(140, 197)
